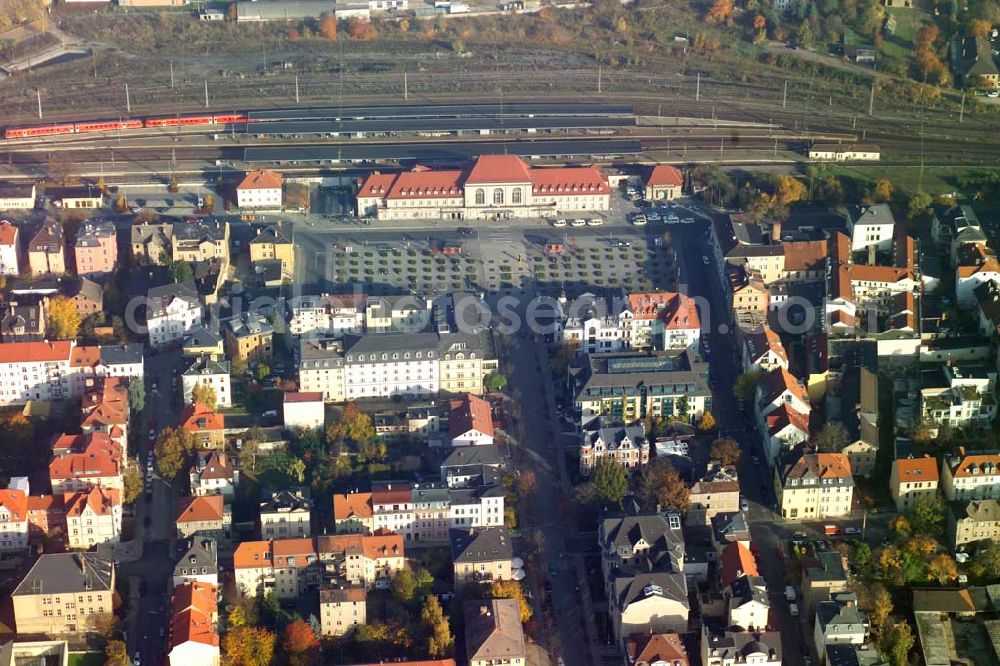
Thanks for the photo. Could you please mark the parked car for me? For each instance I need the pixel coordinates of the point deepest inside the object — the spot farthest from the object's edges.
(578, 222)
(595, 222)
(559, 223)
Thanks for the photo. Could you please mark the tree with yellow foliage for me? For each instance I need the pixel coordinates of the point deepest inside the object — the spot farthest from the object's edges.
(511, 589)
(721, 11)
(64, 320)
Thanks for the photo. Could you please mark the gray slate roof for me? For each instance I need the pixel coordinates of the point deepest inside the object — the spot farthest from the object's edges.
(467, 456)
(480, 544)
(61, 573)
(201, 558)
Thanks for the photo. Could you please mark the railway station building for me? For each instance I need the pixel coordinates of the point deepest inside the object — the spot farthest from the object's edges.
(495, 187)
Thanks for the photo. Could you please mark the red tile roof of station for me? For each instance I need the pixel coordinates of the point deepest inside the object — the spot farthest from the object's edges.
(569, 181)
(470, 413)
(665, 174)
(376, 184)
(499, 169)
(426, 184)
(260, 179)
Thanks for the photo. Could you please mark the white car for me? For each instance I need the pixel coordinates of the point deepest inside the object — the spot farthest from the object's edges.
(688, 220)
(579, 222)
(672, 217)
(595, 222)
(559, 223)
(639, 220)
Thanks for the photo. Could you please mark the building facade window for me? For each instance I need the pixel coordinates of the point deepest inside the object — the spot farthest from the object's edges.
(480, 197)
(515, 196)
(498, 196)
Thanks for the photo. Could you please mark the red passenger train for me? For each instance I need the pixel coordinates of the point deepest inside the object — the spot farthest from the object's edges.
(113, 125)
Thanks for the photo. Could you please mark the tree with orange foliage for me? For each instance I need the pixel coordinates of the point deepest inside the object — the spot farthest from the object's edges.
(359, 28)
(328, 27)
(249, 646)
(979, 27)
(721, 11)
(299, 642)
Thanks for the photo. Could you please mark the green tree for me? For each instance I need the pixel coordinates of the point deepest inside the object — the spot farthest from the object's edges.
(116, 654)
(404, 586)
(353, 426)
(683, 407)
(249, 646)
(927, 516)
(832, 438)
(918, 204)
(63, 319)
(726, 451)
(172, 450)
(745, 385)
(263, 371)
(440, 642)
(610, 481)
(495, 381)
(204, 394)
(136, 394)
(181, 272)
(134, 483)
(244, 613)
(896, 645)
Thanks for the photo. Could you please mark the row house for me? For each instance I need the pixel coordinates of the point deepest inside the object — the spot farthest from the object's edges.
(470, 422)
(717, 491)
(972, 521)
(206, 426)
(327, 315)
(201, 241)
(206, 515)
(287, 514)
(46, 515)
(249, 337)
(783, 410)
(627, 445)
(82, 462)
(419, 512)
(207, 371)
(960, 396)
(13, 520)
(391, 364)
(173, 310)
(763, 350)
(288, 567)
(270, 243)
(96, 248)
(913, 479)
(968, 476)
(814, 486)
(734, 647)
(47, 250)
(105, 408)
(151, 243)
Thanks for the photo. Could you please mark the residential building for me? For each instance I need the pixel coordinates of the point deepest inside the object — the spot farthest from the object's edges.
(200, 341)
(64, 593)
(206, 426)
(87, 364)
(60, 370)
(493, 633)
(16, 652)
(830, 152)
(13, 520)
(725, 647)
(653, 601)
(973, 61)
(785, 428)
(630, 386)
(717, 491)
(45, 516)
(194, 638)
(46, 250)
(213, 474)
(766, 261)
(82, 462)
(913, 479)
(976, 266)
(17, 196)
(199, 563)
(93, 517)
(261, 189)
(205, 370)
(736, 561)
(10, 247)
(828, 577)
(152, 243)
(816, 486)
(663, 182)
(96, 248)
(371, 560)
(342, 609)
(783, 409)
(353, 513)
(750, 296)
(649, 649)
(22, 322)
(304, 410)
(838, 622)
(172, 311)
(201, 241)
(872, 226)
(664, 320)
(494, 187)
(604, 438)
(80, 196)
(206, 515)
(481, 554)
(286, 515)
(470, 466)
(249, 337)
(747, 603)
(972, 521)
(271, 243)
(763, 350)
(470, 422)
(105, 409)
(87, 295)
(966, 476)
(959, 395)
(388, 364)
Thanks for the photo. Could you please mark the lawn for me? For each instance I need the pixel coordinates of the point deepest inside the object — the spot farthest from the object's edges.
(900, 43)
(936, 180)
(86, 659)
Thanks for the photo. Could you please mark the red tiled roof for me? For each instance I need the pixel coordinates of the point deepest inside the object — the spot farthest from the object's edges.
(423, 662)
(886, 274)
(977, 461)
(35, 352)
(760, 342)
(676, 311)
(656, 649)
(569, 181)
(499, 169)
(90, 456)
(785, 416)
(376, 185)
(260, 179)
(839, 247)
(44, 503)
(252, 555)
(200, 509)
(283, 549)
(777, 381)
(196, 417)
(16, 502)
(8, 233)
(374, 546)
(351, 505)
(85, 357)
(737, 561)
(100, 500)
(470, 413)
(307, 396)
(823, 465)
(665, 174)
(217, 466)
(916, 469)
(426, 184)
(805, 255)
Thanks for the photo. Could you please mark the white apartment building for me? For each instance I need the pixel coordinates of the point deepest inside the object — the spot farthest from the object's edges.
(391, 364)
(260, 189)
(93, 517)
(206, 370)
(287, 515)
(425, 513)
(329, 315)
(959, 396)
(173, 310)
(10, 249)
(971, 476)
(13, 520)
(872, 226)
